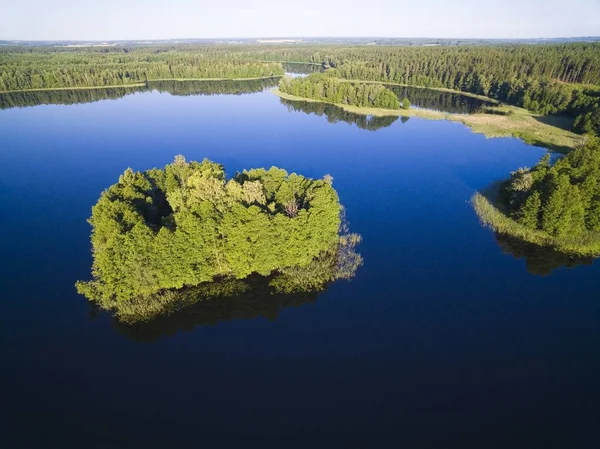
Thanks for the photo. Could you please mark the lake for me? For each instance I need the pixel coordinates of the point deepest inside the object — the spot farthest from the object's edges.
(448, 336)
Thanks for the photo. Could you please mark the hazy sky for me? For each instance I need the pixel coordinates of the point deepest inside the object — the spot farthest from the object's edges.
(160, 19)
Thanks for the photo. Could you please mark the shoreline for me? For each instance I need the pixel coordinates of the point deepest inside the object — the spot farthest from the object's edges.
(491, 216)
(513, 122)
(141, 84)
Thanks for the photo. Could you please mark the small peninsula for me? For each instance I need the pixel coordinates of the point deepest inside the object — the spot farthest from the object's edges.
(556, 206)
(165, 238)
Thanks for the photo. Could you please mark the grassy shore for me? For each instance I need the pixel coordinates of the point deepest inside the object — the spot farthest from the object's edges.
(113, 86)
(505, 121)
(491, 215)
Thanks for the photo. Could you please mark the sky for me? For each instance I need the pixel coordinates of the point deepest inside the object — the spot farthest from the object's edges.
(172, 19)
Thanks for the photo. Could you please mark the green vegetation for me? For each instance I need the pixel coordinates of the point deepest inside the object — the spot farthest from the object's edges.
(321, 86)
(160, 234)
(551, 205)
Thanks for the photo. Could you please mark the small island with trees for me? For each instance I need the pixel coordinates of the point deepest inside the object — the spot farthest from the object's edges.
(165, 238)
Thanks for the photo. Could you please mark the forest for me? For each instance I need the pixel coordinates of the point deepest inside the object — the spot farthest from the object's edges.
(162, 235)
(551, 205)
(323, 87)
(44, 70)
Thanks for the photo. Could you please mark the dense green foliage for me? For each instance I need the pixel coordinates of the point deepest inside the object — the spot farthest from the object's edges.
(320, 86)
(165, 229)
(87, 68)
(546, 79)
(555, 206)
(560, 199)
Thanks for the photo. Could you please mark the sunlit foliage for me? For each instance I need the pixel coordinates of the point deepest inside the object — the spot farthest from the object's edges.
(158, 231)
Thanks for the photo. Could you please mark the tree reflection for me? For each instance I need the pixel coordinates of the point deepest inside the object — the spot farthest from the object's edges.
(211, 87)
(439, 100)
(539, 260)
(256, 296)
(335, 114)
(247, 299)
(80, 96)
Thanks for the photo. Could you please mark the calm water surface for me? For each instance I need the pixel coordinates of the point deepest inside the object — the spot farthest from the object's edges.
(447, 336)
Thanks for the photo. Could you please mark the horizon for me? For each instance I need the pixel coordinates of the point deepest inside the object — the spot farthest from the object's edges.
(71, 20)
(298, 37)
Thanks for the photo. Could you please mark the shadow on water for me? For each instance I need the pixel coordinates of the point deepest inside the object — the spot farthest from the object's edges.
(539, 260)
(335, 114)
(179, 88)
(250, 298)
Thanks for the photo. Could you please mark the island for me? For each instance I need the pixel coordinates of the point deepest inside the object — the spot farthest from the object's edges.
(555, 206)
(165, 238)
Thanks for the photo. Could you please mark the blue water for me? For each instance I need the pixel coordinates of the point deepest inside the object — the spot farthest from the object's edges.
(441, 340)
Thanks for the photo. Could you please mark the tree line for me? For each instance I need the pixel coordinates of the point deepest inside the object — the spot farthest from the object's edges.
(20, 71)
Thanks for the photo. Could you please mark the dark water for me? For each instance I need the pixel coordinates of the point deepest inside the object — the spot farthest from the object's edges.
(439, 100)
(443, 339)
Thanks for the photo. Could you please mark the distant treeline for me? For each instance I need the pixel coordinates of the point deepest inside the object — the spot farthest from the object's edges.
(46, 70)
(321, 86)
(546, 79)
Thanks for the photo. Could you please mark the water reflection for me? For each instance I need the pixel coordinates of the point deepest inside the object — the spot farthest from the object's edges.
(64, 97)
(216, 303)
(78, 96)
(440, 101)
(297, 69)
(229, 87)
(336, 114)
(256, 296)
(539, 260)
